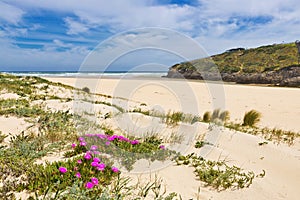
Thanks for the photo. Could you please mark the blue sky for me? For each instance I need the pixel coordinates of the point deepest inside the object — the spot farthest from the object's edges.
(39, 35)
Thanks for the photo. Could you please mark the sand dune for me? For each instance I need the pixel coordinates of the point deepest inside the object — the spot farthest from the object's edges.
(280, 107)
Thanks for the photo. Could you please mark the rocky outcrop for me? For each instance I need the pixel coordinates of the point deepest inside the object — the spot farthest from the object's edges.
(288, 76)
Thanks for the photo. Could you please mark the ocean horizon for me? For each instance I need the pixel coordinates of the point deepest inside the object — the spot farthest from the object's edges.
(105, 74)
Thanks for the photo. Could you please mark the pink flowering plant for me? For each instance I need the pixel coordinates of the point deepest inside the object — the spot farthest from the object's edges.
(87, 165)
(89, 169)
(126, 150)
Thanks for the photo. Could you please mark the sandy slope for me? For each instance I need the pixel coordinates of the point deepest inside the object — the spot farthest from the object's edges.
(280, 107)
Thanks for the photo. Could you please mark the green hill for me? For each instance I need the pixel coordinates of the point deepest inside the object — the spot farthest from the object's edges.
(271, 64)
(264, 58)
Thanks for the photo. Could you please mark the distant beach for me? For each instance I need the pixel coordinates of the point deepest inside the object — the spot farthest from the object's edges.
(106, 74)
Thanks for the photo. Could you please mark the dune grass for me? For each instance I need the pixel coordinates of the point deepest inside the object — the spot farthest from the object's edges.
(251, 118)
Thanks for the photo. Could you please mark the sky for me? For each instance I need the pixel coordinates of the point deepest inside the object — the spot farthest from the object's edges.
(51, 35)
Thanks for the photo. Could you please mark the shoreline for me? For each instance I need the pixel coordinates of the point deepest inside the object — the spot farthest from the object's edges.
(169, 79)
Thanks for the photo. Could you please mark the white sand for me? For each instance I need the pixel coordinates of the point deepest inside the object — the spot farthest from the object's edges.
(280, 107)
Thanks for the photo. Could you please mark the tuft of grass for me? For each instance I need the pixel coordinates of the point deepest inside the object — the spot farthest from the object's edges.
(215, 115)
(219, 116)
(172, 118)
(225, 116)
(2, 137)
(86, 89)
(251, 118)
(207, 116)
(200, 144)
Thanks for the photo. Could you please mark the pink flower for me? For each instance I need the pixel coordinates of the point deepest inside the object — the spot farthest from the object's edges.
(107, 143)
(75, 168)
(101, 166)
(100, 169)
(114, 169)
(73, 145)
(101, 136)
(122, 138)
(111, 138)
(96, 159)
(81, 139)
(78, 175)
(89, 185)
(133, 142)
(94, 164)
(96, 152)
(62, 170)
(94, 181)
(162, 147)
(87, 156)
(94, 148)
(82, 143)
(79, 161)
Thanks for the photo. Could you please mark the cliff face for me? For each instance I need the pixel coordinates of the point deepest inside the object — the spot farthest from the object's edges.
(273, 64)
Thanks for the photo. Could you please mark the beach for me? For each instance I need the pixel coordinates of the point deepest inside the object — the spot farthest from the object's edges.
(280, 107)
(134, 107)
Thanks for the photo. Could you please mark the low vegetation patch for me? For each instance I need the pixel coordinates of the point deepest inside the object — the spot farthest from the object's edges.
(217, 174)
(276, 135)
(124, 150)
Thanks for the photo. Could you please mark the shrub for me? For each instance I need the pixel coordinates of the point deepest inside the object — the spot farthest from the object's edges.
(215, 115)
(224, 116)
(86, 89)
(251, 118)
(207, 116)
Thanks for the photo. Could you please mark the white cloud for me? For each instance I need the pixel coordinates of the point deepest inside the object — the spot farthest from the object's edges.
(118, 14)
(14, 58)
(10, 14)
(75, 27)
(166, 46)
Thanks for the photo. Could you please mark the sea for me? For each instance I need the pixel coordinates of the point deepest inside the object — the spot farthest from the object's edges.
(89, 74)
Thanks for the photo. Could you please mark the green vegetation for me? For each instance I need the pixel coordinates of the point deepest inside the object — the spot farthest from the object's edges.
(201, 143)
(207, 116)
(86, 89)
(276, 135)
(126, 150)
(251, 118)
(2, 137)
(217, 174)
(217, 116)
(261, 59)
